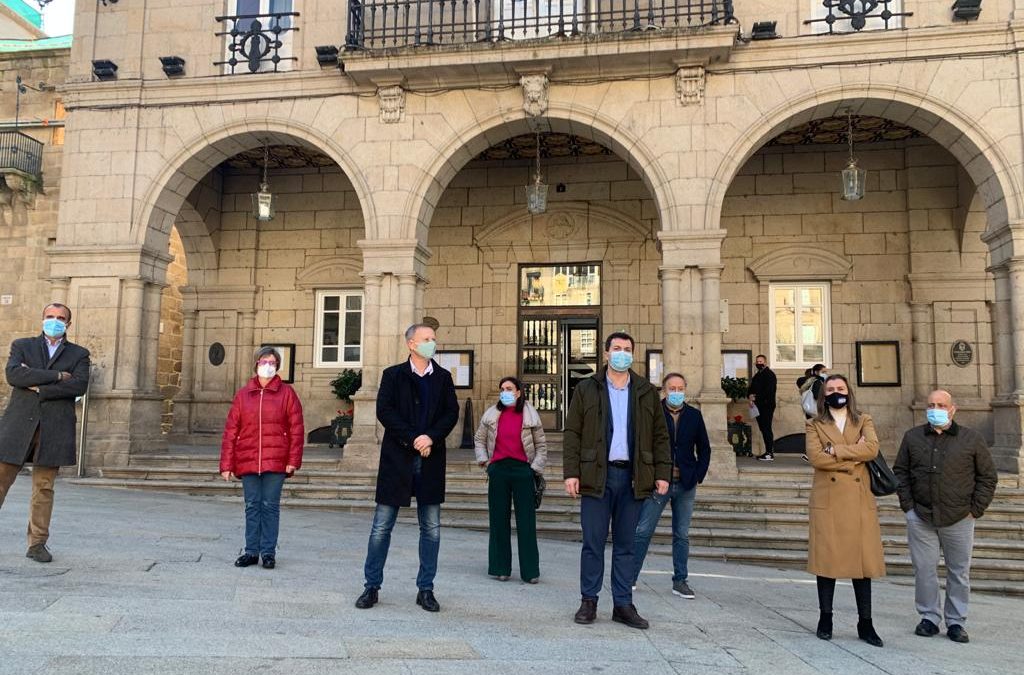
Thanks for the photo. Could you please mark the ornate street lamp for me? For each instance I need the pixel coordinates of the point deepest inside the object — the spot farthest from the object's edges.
(853, 175)
(263, 200)
(537, 194)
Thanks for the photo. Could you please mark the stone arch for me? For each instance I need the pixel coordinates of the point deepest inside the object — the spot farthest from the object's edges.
(473, 138)
(979, 154)
(207, 149)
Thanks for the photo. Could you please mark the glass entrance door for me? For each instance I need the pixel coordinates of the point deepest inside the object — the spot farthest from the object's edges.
(556, 352)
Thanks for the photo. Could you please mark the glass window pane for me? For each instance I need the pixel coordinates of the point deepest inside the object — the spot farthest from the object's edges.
(329, 354)
(784, 297)
(351, 354)
(247, 7)
(330, 332)
(354, 302)
(811, 297)
(353, 323)
(785, 353)
(332, 303)
(560, 285)
(814, 352)
(785, 328)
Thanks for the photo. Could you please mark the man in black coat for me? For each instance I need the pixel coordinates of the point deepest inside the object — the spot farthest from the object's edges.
(761, 393)
(47, 373)
(417, 406)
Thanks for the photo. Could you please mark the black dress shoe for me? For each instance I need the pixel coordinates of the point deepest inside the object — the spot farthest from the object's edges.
(246, 559)
(427, 601)
(926, 628)
(628, 615)
(957, 634)
(824, 631)
(269, 562)
(587, 612)
(866, 632)
(368, 599)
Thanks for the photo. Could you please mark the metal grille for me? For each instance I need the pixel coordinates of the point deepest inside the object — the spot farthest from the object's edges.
(380, 24)
(22, 154)
(257, 41)
(845, 15)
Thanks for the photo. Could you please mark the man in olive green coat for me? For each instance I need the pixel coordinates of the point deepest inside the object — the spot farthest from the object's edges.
(615, 453)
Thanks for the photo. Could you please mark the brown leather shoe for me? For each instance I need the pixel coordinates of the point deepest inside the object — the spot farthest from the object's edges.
(39, 553)
(587, 612)
(627, 614)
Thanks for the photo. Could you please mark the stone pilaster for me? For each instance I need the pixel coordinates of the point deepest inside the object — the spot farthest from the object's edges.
(246, 347)
(713, 401)
(921, 326)
(182, 424)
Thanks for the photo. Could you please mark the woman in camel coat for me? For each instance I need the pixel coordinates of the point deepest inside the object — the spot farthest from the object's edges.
(845, 541)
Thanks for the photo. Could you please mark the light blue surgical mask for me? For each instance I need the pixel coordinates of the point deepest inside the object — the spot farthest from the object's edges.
(54, 328)
(620, 361)
(676, 398)
(426, 349)
(507, 398)
(937, 417)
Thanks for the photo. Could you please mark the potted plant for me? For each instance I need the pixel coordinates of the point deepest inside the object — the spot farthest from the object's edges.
(344, 386)
(735, 387)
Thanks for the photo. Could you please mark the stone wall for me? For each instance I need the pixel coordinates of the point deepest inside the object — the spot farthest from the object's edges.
(168, 376)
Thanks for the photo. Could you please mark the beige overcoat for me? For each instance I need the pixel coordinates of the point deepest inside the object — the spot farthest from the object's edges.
(845, 540)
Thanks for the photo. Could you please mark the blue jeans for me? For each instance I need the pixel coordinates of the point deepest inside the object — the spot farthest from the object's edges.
(682, 510)
(619, 507)
(262, 511)
(384, 517)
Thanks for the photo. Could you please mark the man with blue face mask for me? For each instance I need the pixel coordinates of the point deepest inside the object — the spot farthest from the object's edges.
(691, 455)
(47, 373)
(615, 454)
(946, 481)
(417, 407)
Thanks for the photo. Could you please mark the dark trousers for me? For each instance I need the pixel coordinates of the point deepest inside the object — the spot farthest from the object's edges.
(619, 507)
(511, 482)
(764, 423)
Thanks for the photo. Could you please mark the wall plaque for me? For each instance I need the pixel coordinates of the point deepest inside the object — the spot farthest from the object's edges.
(961, 353)
(216, 354)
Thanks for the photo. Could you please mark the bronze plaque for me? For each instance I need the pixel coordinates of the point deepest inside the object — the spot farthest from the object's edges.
(216, 354)
(961, 353)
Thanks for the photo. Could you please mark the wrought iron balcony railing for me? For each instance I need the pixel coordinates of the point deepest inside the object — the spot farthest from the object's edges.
(258, 43)
(841, 16)
(381, 24)
(21, 154)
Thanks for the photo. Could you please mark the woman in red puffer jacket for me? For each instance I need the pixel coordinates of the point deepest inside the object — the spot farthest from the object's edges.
(262, 445)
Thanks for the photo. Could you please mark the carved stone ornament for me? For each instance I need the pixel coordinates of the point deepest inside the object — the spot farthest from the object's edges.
(392, 103)
(535, 94)
(560, 226)
(690, 82)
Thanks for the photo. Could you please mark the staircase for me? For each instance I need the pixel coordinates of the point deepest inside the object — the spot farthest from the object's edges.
(760, 518)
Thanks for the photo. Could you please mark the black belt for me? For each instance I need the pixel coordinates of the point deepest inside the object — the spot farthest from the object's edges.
(620, 464)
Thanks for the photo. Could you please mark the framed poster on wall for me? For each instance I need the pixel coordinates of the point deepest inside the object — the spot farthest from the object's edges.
(878, 363)
(655, 367)
(287, 352)
(736, 363)
(458, 362)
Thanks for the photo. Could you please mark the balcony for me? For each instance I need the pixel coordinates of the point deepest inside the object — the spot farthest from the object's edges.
(257, 43)
(482, 39)
(21, 155)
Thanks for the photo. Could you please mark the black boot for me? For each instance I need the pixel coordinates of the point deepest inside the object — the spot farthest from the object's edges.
(824, 631)
(866, 632)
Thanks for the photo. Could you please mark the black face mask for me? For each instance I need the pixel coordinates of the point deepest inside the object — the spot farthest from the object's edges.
(760, 366)
(836, 400)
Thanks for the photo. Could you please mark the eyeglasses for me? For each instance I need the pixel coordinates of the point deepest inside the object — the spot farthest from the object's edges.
(267, 362)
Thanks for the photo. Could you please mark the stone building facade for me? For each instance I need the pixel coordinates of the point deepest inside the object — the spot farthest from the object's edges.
(694, 193)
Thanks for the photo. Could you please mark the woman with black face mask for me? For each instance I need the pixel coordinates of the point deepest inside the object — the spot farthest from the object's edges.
(845, 541)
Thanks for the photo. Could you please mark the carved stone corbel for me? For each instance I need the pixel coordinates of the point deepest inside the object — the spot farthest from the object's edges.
(690, 82)
(535, 94)
(392, 103)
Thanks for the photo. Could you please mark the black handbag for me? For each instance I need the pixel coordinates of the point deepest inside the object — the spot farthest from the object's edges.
(883, 480)
(539, 484)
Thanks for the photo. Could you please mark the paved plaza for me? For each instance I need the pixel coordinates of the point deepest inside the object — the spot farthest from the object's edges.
(143, 583)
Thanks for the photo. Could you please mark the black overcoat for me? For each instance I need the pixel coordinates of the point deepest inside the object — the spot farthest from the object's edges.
(396, 410)
(51, 410)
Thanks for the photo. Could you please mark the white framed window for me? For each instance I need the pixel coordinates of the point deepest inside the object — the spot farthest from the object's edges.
(338, 329)
(800, 324)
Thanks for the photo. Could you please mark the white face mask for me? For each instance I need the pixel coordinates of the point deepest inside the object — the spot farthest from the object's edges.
(266, 371)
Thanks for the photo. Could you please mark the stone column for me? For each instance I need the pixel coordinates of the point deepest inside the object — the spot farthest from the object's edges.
(59, 289)
(1003, 332)
(714, 404)
(245, 348)
(407, 284)
(1016, 283)
(921, 328)
(672, 339)
(372, 362)
(129, 351)
(151, 336)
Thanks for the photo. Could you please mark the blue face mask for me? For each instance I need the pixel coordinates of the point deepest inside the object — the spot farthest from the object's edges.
(620, 361)
(53, 328)
(426, 349)
(676, 398)
(937, 417)
(507, 398)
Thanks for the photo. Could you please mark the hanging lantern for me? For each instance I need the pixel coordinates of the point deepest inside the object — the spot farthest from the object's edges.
(853, 176)
(263, 199)
(537, 194)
